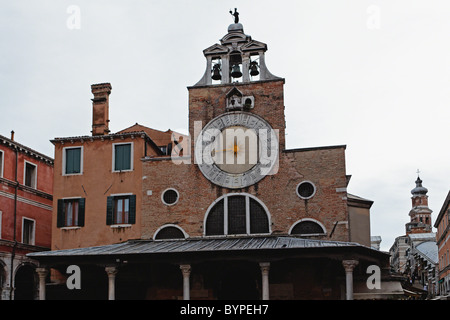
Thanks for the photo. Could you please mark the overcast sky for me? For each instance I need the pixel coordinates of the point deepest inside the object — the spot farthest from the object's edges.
(371, 74)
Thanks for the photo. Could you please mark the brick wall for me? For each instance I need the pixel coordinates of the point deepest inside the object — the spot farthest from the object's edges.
(324, 167)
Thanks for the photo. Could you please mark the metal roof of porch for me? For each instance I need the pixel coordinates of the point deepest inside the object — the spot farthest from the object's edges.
(192, 245)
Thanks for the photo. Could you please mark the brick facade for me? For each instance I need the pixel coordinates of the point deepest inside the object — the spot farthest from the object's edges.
(26, 187)
(324, 167)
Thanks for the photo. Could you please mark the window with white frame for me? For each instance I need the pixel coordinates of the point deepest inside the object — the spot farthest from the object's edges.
(234, 214)
(122, 157)
(2, 157)
(30, 174)
(28, 229)
(169, 232)
(307, 227)
(72, 160)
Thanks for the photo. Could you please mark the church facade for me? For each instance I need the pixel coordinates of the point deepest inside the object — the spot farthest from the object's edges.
(231, 213)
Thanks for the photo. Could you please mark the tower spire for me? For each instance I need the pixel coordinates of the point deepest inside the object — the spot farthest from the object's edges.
(420, 212)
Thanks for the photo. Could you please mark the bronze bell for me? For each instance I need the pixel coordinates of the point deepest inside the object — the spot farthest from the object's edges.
(254, 69)
(216, 72)
(236, 71)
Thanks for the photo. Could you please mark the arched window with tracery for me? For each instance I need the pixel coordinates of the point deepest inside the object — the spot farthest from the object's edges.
(234, 214)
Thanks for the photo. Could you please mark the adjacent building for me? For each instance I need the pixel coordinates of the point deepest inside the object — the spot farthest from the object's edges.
(414, 255)
(443, 243)
(26, 187)
(98, 179)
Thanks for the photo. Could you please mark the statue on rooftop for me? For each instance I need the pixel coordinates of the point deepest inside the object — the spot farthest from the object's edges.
(236, 15)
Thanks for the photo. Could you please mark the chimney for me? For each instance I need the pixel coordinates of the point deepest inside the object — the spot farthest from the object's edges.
(100, 108)
(12, 135)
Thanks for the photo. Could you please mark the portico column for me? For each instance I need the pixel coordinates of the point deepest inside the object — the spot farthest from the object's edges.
(111, 271)
(186, 271)
(42, 273)
(265, 266)
(349, 265)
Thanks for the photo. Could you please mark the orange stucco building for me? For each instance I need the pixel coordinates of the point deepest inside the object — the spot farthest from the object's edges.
(99, 178)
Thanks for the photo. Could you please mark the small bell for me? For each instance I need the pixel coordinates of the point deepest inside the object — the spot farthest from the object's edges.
(254, 69)
(236, 71)
(216, 72)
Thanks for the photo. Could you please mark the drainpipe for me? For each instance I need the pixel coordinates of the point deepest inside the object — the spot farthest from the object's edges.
(13, 253)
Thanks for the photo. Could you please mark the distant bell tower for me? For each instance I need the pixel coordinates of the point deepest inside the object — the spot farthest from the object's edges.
(420, 213)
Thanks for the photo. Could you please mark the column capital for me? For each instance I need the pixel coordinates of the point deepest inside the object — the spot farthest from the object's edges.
(111, 271)
(349, 265)
(42, 272)
(185, 269)
(265, 267)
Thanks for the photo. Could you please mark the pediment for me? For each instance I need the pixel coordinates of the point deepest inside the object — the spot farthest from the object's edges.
(215, 49)
(254, 46)
(234, 92)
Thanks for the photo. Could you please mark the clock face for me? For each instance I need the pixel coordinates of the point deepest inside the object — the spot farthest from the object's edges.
(236, 150)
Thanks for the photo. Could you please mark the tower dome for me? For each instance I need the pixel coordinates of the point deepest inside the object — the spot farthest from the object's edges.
(419, 189)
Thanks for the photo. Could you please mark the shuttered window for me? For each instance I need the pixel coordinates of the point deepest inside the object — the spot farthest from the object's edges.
(122, 157)
(72, 160)
(71, 212)
(121, 209)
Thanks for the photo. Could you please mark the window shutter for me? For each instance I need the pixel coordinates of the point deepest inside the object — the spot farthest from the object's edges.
(132, 210)
(60, 218)
(126, 157)
(81, 206)
(118, 160)
(109, 210)
(73, 160)
(122, 155)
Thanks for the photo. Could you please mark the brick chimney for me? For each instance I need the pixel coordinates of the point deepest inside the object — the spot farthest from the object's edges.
(100, 108)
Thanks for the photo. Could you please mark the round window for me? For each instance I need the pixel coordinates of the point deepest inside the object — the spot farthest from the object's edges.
(170, 197)
(306, 190)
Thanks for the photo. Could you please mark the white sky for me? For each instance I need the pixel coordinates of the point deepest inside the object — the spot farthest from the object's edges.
(371, 74)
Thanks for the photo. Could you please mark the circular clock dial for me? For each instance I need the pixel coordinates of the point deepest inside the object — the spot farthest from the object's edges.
(236, 149)
(236, 152)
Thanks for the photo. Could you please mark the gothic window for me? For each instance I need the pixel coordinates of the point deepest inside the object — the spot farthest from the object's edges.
(237, 214)
(307, 227)
(169, 232)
